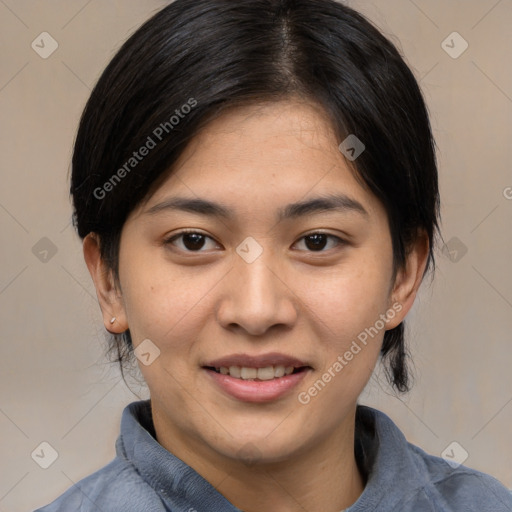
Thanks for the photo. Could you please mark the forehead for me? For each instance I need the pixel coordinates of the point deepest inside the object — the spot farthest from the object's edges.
(266, 135)
(261, 156)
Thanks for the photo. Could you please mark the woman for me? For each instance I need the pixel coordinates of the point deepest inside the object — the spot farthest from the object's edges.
(255, 184)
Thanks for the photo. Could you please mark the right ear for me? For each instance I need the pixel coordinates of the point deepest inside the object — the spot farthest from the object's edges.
(110, 300)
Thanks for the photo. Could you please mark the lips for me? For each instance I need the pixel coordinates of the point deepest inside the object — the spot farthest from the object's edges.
(262, 378)
(263, 367)
(261, 361)
(248, 373)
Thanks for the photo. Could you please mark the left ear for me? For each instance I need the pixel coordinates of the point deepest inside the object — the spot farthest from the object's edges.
(408, 279)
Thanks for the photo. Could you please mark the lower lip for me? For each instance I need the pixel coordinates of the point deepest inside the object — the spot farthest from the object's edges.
(257, 390)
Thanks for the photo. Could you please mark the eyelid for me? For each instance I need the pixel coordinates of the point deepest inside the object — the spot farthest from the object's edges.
(339, 241)
(169, 239)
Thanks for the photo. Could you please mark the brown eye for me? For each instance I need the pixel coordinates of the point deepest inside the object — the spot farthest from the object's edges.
(317, 242)
(193, 241)
(190, 241)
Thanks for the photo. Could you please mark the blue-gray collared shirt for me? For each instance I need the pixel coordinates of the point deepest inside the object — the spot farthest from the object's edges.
(145, 477)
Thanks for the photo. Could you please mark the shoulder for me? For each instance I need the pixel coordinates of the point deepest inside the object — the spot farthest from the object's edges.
(404, 478)
(459, 488)
(116, 487)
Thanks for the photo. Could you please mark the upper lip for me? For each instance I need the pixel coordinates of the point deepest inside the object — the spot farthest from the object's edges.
(259, 361)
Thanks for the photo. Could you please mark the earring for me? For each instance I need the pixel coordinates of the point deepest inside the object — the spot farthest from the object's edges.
(113, 319)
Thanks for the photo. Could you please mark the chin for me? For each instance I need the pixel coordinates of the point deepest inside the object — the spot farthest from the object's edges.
(261, 445)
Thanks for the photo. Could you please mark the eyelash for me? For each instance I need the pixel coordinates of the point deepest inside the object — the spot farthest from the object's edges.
(170, 240)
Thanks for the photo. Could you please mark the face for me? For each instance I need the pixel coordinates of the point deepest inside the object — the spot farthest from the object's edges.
(262, 271)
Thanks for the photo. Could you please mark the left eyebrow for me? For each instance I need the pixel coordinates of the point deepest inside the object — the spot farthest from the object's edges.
(338, 202)
(328, 203)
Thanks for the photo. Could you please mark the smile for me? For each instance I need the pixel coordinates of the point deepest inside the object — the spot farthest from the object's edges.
(262, 374)
(261, 378)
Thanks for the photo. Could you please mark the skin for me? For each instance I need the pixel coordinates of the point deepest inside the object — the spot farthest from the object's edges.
(205, 304)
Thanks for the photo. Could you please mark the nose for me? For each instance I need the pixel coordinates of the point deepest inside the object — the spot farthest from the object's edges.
(256, 297)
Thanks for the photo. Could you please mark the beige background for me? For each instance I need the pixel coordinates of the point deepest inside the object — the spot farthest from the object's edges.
(55, 385)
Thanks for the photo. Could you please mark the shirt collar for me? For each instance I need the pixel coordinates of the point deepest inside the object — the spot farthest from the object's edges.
(169, 476)
(386, 459)
(382, 453)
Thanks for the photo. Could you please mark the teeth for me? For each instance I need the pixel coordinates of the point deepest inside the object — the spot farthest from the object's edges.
(248, 373)
(279, 371)
(267, 373)
(235, 371)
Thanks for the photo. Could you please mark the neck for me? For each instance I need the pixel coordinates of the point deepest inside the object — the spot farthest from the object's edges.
(327, 480)
(323, 477)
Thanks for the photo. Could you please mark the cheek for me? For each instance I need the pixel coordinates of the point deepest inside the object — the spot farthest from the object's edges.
(160, 304)
(169, 310)
(350, 300)
(348, 304)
